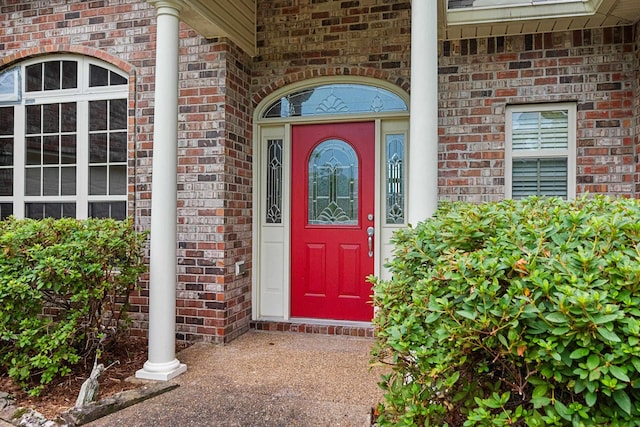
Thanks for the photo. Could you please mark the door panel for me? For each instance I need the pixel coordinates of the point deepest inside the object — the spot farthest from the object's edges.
(333, 168)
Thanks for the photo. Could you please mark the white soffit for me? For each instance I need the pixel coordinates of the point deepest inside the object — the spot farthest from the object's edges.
(511, 17)
(235, 20)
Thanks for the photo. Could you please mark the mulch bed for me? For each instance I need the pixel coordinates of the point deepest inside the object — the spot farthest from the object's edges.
(61, 394)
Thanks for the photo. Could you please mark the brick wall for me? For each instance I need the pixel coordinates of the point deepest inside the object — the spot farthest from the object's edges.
(122, 34)
(214, 142)
(301, 39)
(214, 192)
(479, 78)
(637, 111)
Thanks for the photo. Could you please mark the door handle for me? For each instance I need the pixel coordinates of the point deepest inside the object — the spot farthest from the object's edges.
(370, 233)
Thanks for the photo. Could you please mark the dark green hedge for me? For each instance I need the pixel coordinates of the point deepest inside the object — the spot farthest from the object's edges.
(514, 313)
(79, 274)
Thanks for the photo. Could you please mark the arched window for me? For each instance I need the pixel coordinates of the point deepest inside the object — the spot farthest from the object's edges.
(335, 98)
(63, 139)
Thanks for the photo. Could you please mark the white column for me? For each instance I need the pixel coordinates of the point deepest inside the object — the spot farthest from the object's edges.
(423, 143)
(162, 363)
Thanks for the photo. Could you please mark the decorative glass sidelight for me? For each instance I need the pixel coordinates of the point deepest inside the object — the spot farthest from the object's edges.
(274, 181)
(336, 98)
(333, 184)
(394, 179)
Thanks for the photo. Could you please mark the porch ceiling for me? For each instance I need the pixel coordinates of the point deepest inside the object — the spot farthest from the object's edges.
(484, 18)
(471, 18)
(223, 18)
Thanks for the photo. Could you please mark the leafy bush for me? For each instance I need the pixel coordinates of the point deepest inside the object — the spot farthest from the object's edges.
(64, 287)
(514, 313)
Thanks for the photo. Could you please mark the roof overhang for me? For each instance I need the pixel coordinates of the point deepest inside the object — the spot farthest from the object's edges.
(509, 17)
(235, 20)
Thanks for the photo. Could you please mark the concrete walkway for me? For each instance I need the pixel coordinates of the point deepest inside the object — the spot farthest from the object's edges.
(265, 379)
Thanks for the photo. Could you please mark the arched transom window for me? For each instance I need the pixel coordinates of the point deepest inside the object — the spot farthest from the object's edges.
(335, 99)
(63, 139)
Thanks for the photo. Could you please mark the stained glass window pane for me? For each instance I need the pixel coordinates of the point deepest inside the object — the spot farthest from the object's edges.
(274, 181)
(333, 184)
(394, 179)
(336, 98)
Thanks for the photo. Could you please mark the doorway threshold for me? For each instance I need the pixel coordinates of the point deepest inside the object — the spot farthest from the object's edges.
(317, 326)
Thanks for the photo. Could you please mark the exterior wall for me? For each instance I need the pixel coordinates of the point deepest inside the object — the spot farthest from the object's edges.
(214, 140)
(636, 107)
(214, 190)
(479, 78)
(122, 34)
(301, 39)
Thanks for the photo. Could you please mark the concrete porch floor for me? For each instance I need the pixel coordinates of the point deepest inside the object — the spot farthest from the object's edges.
(266, 379)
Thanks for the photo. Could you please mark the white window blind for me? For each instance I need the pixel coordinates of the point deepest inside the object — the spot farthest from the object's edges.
(540, 130)
(540, 151)
(546, 177)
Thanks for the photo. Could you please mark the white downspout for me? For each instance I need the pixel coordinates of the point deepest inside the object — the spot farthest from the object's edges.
(423, 143)
(162, 363)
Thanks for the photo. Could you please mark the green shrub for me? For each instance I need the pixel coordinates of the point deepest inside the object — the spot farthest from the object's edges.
(514, 313)
(64, 287)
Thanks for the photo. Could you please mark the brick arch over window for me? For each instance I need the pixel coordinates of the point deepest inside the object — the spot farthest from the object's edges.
(288, 79)
(72, 49)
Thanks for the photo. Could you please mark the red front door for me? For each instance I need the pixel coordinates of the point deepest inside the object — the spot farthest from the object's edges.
(332, 206)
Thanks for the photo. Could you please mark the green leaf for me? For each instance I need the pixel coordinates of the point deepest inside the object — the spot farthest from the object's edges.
(540, 402)
(593, 361)
(556, 318)
(579, 353)
(623, 401)
(540, 390)
(619, 373)
(608, 335)
(600, 319)
(471, 315)
(432, 317)
(590, 398)
(562, 410)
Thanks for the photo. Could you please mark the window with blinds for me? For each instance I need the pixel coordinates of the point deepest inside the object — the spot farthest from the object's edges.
(540, 151)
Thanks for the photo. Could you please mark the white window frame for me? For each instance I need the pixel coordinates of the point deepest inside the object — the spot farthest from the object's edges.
(81, 96)
(569, 153)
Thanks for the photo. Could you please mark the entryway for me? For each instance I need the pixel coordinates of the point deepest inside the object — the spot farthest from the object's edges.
(330, 167)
